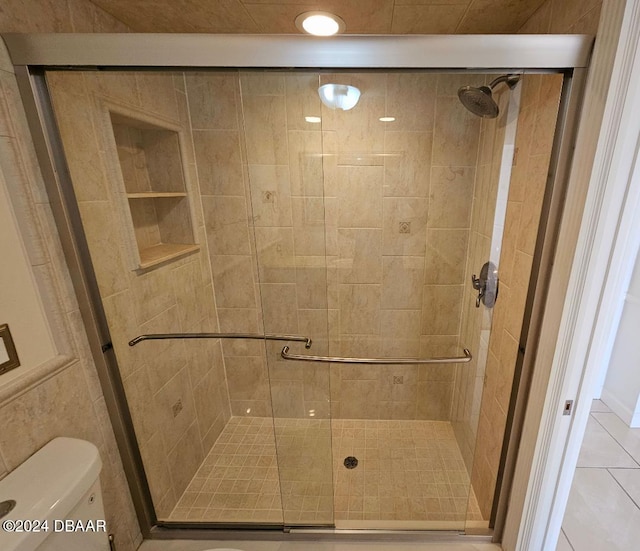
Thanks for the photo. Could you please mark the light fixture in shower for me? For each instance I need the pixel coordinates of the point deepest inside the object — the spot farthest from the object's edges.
(320, 23)
(339, 96)
(480, 100)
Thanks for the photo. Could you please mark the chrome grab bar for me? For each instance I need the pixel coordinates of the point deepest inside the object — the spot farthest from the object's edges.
(384, 361)
(269, 337)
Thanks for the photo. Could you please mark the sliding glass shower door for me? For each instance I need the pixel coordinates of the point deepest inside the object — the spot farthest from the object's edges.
(365, 236)
(311, 258)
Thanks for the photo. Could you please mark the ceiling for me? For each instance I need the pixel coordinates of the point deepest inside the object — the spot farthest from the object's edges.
(360, 16)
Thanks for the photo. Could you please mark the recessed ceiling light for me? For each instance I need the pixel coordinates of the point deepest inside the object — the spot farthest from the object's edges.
(320, 23)
(387, 119)
(314, 120)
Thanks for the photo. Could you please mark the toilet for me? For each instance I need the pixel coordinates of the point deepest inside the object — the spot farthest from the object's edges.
(60, 486)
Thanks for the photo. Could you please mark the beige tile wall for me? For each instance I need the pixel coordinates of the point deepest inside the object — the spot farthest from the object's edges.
(176, 389)
(476, 322)
(398, 294)
(67, 401)
(539, 107)
(303, 216)
(271, 233)
(222, 169)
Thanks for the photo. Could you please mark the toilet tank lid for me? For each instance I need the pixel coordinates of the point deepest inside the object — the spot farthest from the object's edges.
(49, 484)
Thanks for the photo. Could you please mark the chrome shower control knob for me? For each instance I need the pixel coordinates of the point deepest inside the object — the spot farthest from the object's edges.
(486, 285)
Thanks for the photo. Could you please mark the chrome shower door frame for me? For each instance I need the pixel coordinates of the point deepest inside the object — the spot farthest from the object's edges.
(31, 54)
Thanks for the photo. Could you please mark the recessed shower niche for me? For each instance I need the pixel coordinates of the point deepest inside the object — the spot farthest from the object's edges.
(150, 161)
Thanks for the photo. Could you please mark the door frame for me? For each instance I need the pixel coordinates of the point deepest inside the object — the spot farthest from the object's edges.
(32, 53)
(599, 240)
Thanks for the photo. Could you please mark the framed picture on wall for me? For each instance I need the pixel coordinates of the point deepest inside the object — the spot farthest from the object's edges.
(8, 354)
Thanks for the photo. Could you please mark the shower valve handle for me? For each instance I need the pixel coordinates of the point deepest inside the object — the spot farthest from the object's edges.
(479, 286)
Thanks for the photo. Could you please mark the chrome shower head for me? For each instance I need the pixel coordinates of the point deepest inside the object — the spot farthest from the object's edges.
(480, 100)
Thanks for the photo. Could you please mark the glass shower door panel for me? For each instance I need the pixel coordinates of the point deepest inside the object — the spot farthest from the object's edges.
(492, 180)
(507, 237)
(402, 170)
(157, 172)
(282, 129)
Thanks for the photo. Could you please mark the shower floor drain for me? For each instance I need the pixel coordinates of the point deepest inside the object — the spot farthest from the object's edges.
(350, 462)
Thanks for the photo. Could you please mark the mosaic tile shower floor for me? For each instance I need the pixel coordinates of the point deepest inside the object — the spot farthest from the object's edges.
(408, 472)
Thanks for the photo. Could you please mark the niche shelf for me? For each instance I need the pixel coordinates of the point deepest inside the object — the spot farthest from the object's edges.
(150, 160)
(155, 194)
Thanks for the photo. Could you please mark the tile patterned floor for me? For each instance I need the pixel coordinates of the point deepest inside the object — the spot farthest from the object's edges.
(410, 471)
(603, 511)
(238, 481)
(407, 471)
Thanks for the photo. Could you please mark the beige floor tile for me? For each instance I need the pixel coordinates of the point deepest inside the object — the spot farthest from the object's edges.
(563, 543)
(629, 480)
(600, 516)
(628, 438)
(599, 449)
(599, 406)
(603, 509)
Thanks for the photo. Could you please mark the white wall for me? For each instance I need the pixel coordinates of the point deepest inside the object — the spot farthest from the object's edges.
(20, 304)
(615, 329)
(621, 390)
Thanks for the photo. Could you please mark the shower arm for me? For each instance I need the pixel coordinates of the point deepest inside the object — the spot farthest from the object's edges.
(380, 361)
(509, 80)
(268, 337)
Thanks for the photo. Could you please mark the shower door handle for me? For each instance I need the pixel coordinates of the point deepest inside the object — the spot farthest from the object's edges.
(259, 337)
(381, 361)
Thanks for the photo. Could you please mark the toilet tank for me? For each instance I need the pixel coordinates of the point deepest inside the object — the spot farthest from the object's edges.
(59, 485)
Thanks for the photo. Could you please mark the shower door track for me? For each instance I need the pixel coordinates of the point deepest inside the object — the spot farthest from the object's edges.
(32, 54)
(202, 531)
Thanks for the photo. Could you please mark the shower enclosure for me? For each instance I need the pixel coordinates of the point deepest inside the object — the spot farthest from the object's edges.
(294, 292)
